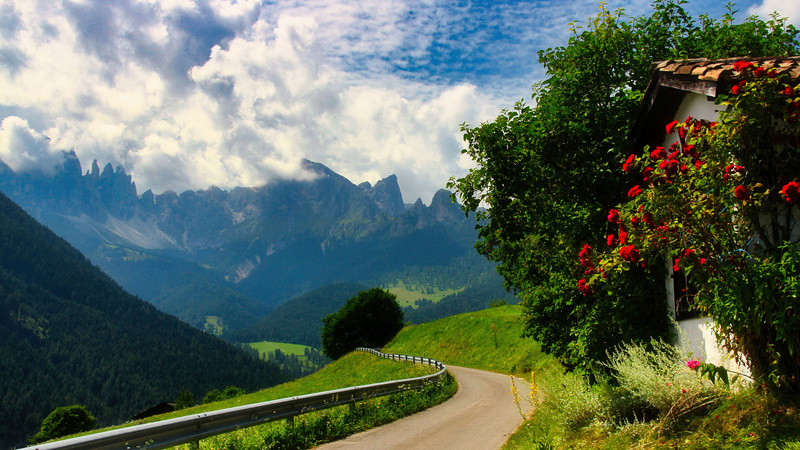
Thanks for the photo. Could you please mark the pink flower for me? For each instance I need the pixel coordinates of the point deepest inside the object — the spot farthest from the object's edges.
(693, 364)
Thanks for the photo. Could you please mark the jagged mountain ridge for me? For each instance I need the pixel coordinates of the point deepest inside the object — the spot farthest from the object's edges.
(249, 248)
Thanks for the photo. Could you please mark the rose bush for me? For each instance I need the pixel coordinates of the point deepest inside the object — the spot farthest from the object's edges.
(721, 203)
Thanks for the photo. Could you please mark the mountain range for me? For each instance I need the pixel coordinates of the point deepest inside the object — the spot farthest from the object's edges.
(229, 257)
(71, 335)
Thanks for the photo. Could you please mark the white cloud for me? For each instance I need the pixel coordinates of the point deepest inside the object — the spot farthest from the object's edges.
(24, 149)
(786, 8)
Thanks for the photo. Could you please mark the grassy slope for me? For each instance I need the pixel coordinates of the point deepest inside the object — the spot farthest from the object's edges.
(265, 347)
(407, 294)
(490, 339)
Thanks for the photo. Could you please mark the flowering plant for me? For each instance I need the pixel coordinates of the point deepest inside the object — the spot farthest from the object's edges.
(721, 202)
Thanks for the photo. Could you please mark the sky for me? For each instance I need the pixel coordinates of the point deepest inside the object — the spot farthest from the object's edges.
(186, 94)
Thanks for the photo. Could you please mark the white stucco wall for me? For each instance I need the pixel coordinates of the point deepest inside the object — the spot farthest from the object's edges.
(697, 334)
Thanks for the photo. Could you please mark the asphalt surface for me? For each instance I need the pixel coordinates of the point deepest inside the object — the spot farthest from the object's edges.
(482, 415)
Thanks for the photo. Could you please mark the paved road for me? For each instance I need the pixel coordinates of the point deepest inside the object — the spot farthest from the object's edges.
(481, 415)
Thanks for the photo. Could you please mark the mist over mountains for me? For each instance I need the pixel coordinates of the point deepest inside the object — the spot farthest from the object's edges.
(234, 255)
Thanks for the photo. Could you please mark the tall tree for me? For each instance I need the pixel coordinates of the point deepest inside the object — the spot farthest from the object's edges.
(548, 174)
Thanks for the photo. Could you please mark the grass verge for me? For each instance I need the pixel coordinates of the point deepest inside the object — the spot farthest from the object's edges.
(490, 339)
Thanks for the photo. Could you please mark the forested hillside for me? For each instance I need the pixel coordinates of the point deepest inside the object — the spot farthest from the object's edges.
(72, 335)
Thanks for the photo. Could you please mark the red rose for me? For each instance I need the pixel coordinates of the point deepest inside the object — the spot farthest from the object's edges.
(792, 192)
(628, 164)
(742, 65)
(788, 91)
(623, 237)
(688, 253)
(646, 174)
(658, 153)
(634, 191)
(759, 72)
(648, 219)
(772, 73)
(742, 193)
(629, 253)
(584, 287)
(611, 240)
(613, 216)
(671, 126)
(735, 90)
(675, 267)
(635, 221)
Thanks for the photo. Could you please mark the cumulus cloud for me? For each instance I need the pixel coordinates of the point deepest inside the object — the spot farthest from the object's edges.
(191, 93)
(788, 9)
(25, 150)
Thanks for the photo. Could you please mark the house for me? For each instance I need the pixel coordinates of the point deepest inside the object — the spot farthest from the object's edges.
(679, 89)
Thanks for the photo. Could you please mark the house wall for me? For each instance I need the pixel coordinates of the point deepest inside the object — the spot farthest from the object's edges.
(697, 334)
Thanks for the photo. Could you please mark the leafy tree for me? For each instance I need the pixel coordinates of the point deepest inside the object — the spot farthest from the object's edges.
(547, 175)
(185, 400)
(63, 421)
(370, 319)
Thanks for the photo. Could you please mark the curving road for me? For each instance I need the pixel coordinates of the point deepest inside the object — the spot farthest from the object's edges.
(481, 415)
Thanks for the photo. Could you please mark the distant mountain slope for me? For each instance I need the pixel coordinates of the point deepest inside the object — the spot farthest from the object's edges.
(240, 253)
(72, 335)
(299, 320)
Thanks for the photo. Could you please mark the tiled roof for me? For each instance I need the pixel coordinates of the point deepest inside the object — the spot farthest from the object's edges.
(716, 69)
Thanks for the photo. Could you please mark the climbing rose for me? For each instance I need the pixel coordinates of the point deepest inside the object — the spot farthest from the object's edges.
(611, 240)
(613, 216)
(792, 192)
(623, 237)
(675, 267)
(648, 219)
(671, 126)
(584, 287)
(635, 221)
(759, 72)
(788, 91)
(742, 65)
(658, 153)
(693, 364)
(735, 90)
(634, 191)
(742, 193)
(629, 253)
(628, 165)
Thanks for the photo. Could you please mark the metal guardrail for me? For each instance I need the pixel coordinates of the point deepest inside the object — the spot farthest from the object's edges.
(191, 428)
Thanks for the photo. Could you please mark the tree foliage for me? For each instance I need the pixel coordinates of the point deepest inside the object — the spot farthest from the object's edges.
(370, 319)
(63, 421)
(547, 175)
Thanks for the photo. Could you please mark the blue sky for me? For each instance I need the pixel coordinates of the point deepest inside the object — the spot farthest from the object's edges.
(191, 93)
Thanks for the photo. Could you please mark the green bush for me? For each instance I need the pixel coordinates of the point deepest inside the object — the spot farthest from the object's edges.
(63, 421)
